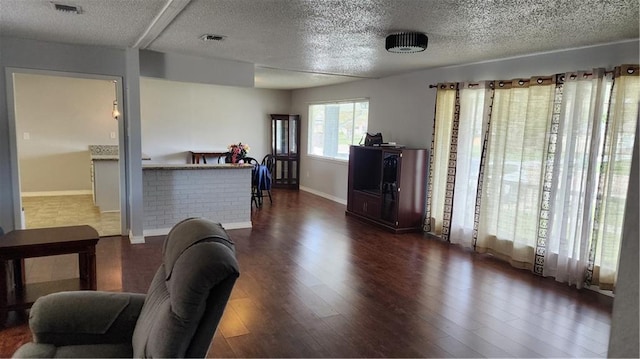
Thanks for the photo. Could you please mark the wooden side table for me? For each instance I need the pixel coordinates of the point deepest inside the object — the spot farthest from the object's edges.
(17, 245)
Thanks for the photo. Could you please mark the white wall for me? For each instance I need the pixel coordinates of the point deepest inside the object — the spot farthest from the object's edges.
(33, 54)
(402, 107)
(62, 117)
(625, 326)
(185, 68)
(178, 117)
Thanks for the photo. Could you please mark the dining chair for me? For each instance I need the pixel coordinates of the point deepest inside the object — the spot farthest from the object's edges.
(269, 161)
(256, 195)
(225, 158)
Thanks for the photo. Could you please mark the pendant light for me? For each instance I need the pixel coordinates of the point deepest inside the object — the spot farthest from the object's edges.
(115, 112)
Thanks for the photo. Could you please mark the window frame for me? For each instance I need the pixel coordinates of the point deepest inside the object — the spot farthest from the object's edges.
(354, 140)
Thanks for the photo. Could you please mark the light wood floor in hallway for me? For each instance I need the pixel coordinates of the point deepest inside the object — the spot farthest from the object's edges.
(58, 211)
(315, 283)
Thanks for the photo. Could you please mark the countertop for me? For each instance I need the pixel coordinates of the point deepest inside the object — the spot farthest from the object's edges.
(107, 153)
(180, 166)
(105, 157)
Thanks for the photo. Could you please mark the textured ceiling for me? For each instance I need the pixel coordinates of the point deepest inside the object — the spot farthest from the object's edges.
(303, 43)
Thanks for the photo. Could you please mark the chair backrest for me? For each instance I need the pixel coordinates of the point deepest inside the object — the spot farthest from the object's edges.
(251, 161)
(189, 292)
(270, 162)
(225, 158)
(262, 177)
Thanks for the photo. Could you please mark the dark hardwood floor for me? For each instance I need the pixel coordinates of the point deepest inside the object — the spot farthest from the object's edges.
(315, 283)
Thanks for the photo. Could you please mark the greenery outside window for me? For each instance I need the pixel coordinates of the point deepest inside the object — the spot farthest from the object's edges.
(333, 127)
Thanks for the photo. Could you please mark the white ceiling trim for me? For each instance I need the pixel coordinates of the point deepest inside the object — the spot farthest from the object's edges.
(317, 72)
(166, 15)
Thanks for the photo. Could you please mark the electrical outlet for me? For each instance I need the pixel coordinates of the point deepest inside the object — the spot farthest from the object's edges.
(26, 136)
(112, 135)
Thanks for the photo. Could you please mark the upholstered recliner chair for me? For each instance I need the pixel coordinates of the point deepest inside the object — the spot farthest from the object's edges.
(176, 318)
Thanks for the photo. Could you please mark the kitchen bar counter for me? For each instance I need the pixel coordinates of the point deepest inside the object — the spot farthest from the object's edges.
(173, 192)
(181, 166)
(105, 177)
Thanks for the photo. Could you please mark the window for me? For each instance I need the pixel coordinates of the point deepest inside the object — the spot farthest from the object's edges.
(333, 127)
(552, 175)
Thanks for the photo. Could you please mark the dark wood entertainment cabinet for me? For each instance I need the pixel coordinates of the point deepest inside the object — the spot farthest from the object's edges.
(387, 186)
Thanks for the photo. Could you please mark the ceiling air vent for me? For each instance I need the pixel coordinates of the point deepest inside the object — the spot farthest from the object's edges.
(210, 37)
(68, 9)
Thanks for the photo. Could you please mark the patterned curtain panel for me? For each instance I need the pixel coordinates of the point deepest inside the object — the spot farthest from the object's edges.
(615, 166)
(459, 128)
(535, 171)
(571, 178)
(512, 183)
(475, 101)
(439, 175)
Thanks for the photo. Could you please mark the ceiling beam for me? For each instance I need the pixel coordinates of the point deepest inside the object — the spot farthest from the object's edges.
(166, 15)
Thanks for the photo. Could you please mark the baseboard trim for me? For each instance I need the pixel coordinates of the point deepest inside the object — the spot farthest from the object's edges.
(165, 231)
(136, 239)
(237, 225)
(155, 232)
(56, 193)
(324, 195)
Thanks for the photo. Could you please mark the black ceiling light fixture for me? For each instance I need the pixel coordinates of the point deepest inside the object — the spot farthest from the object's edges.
(406, 42)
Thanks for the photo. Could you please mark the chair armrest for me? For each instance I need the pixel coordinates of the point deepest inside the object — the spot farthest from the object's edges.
(85, 317)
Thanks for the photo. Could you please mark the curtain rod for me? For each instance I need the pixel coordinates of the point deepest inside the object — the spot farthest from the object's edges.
(470, 85)
(586, 74)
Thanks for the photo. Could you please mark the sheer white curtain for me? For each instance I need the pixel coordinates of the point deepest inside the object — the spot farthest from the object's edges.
(536, 171)
(614, 177)
(574, 183)
(474, 105)
(513, 170)
(445, 105)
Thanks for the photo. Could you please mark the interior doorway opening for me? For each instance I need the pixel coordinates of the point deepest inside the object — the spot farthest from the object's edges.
(59, 119)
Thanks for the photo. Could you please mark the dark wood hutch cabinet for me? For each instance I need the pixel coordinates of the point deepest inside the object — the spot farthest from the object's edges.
(285, 148)
(387, 186)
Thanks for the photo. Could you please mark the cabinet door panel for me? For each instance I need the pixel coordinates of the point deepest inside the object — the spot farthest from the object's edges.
(285, 143)
(390, 185)
(366, 205)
